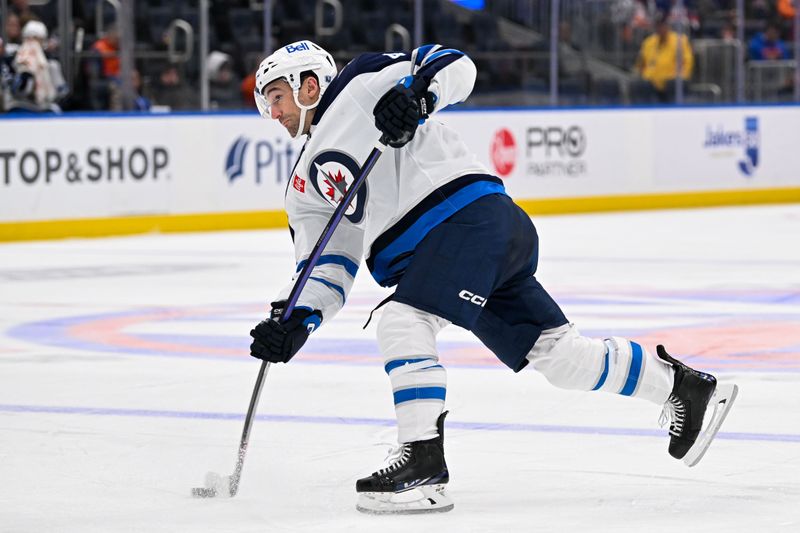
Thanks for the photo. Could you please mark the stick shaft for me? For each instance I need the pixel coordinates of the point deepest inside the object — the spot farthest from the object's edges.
(327, 233)
(248, 423)
(291, 302)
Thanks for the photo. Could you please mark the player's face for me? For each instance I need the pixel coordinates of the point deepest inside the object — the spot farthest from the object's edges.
(282, 106)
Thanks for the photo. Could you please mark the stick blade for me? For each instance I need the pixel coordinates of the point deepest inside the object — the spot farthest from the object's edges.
(203, 492)
(216, 485)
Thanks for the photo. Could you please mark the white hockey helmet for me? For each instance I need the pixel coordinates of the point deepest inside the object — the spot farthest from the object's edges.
(34, 30)
(288, 63)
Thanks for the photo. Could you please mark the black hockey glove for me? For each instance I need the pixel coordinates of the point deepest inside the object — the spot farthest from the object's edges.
(402, 109)
(277, 342)
(23, 84)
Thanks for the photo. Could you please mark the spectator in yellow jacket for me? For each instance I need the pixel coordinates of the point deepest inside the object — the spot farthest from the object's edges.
(658, 57)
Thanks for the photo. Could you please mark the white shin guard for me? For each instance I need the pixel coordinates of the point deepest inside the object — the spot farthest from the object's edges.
(407, 339)
(615, 365)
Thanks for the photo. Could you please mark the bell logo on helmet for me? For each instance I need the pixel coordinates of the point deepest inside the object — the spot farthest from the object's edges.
(297, 47)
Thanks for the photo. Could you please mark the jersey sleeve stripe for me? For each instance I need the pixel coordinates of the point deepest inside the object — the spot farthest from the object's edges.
(423, 51)
(429, 68)
(349, 265)
(440, 53)
(333, 286)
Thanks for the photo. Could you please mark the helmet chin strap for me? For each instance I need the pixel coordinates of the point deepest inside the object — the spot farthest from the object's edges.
(303, 110)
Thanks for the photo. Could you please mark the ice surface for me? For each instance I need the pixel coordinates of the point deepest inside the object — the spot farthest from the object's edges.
(124, 377)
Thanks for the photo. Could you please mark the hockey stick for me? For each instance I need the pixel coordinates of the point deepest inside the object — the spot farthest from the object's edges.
(216, 484)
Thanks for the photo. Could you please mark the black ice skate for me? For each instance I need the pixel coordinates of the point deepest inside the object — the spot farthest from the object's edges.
(414, 481)
(693, 393)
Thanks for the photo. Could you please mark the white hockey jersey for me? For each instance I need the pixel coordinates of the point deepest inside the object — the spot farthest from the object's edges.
(409, 191)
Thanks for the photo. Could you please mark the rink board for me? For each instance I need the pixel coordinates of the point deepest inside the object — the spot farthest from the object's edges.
(104, 175)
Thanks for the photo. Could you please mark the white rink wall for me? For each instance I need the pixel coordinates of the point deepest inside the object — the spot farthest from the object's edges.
(73, 168)
(552, 154)
(63, 167)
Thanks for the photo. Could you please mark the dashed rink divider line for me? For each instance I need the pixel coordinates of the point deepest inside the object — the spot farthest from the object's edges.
(380, 422)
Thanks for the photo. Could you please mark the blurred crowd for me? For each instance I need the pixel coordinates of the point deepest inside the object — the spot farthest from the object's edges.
(654, 41)
(32, 79)
(665, 55)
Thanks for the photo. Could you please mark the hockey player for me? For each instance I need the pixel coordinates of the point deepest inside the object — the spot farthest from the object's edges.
(432, 222)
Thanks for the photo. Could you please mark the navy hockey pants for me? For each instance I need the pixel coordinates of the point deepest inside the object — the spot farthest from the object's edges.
(476, 269)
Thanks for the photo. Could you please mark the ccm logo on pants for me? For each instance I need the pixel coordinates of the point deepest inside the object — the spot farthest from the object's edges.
(472, 298)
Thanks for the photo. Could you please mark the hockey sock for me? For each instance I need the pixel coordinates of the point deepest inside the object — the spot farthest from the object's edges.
(407, 339)
(419, 385)
(615, 365)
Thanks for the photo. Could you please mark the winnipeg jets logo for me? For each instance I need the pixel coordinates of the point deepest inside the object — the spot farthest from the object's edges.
(331, 175)
(336, 184)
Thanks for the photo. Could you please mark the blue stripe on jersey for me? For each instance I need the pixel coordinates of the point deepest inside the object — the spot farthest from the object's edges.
(419, 393)
(441, 59)
(633, 373)
(331, 259)
(422, 51)
(361, 64)
(604, 375)
(440, 53)
(408, 232)
(391, 365)
(331, 285)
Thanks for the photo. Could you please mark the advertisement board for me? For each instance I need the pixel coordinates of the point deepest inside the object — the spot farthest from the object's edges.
(550, 154)
(555, 154)
(126, 166)
(745, 147)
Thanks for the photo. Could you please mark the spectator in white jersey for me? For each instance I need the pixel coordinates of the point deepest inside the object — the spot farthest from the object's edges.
(434, 223)
(38, 81)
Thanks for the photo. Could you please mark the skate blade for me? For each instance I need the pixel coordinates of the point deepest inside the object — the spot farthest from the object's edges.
(723, 399)
(424, 499)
